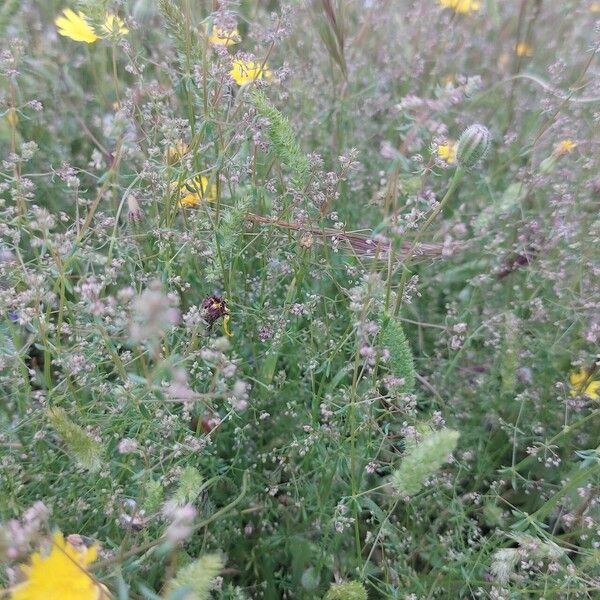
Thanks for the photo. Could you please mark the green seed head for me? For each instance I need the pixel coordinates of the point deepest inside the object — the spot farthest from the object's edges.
(473, 146)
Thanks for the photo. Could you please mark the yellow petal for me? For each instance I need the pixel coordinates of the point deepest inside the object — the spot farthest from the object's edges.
(591, 391)
(221, 37)
(578, 378)
(226, 329)
(75, 26)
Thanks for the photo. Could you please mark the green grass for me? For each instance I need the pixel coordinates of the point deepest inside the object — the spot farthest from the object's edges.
(393, 414)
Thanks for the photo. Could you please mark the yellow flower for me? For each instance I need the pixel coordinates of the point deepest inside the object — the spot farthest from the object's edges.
(193, 191)
(75, 26)
(564, 147)
(222, 37)
(60, 575)
(447, 152)
(595, 7)
(523, 49)
(12, 117)
(244, 71)
(462, 6)
(114, 25)
(582, 386)
(176, 151)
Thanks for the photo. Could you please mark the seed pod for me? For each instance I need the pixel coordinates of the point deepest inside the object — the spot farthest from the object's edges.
(473, 145)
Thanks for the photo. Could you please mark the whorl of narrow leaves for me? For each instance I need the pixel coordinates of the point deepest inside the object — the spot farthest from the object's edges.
(424, 460)
(401, 359)
(83, 448)
(198, 577)
(283, 139)
(349, 590)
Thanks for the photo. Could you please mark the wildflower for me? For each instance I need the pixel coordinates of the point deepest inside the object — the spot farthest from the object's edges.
(153, 313)
(564, 147)
(223, 37)
(11, 117)
(113, 25)
(461, 6)
(244, 71)
(60, 575)
(182, 519)
(176, 152)
(595, 7)
(582, 385)
(193, 191)
(447, 152)
(523, 49)
(74, 26)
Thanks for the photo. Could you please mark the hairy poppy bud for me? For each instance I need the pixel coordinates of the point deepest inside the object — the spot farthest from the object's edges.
(473, 145)
(134, 212)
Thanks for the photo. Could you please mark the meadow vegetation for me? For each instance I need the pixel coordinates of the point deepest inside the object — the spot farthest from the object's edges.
(299, 299)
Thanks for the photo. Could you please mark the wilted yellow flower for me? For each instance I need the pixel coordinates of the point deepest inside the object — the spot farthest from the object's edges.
(564, 147)
(222, 37)
(114, 25)
(447, 152)
(176, 151)
(244, 71)
(12, 117)
(523, 49)
(193, 191)
(462, 6)
(61, 574)
(74, 26)
(582, 385)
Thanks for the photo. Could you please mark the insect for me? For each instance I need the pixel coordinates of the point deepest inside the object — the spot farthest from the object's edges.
(213, 308)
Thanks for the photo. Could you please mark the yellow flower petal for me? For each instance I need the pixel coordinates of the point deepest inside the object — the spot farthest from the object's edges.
(447, 152)
(73, 25)
(244, 71)
(461, 6)
(576, 379)
(221, 37)
(226, 329)
(523, 49)
(59, 574)
(591, 391)
(564, 147)
(193, 191)
(114, 25)
(176, 151)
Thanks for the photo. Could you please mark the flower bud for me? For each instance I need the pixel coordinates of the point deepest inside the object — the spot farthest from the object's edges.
(135, 213)
(473, 146)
